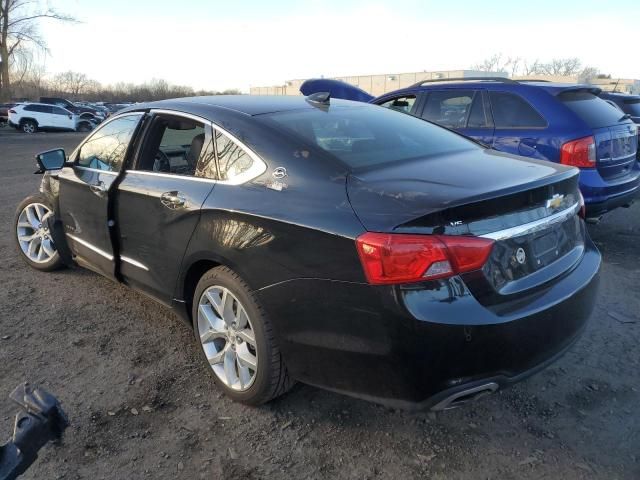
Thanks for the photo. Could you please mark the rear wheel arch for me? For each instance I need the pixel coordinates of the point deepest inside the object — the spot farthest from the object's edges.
(23, 120)
(192, 276)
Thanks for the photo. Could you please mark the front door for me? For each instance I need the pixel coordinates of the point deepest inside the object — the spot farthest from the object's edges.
(158, 202)
(84, 192)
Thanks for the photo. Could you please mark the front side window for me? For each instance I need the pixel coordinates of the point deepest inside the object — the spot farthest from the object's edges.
(60, 111)
(448, 108)
(106, 149)
(401, 104)
(513, 111)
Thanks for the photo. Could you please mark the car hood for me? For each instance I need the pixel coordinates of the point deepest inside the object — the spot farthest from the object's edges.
(394, 194)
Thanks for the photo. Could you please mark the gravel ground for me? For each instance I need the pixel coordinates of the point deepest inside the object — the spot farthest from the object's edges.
(142, 403)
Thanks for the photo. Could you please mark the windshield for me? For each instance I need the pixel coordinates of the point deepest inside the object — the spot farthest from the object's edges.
(367, 136)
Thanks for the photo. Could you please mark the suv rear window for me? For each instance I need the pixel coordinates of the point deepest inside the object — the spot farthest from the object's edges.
(366, 136)
(632, 107)
(593, 110)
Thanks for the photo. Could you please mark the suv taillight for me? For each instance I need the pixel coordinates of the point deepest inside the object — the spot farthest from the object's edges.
(579, 153)
(393, 258)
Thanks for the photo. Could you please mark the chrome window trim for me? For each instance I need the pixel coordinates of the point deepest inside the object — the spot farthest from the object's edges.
(533, 226)
(91, 247)
(171, 175)
(259, 166)
(89, 169)
(135, 263)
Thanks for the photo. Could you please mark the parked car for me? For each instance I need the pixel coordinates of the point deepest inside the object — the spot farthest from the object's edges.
(31, 117)
(562, 123)
(4, 113)
(82, 111)
(629, 104)
(343, 245)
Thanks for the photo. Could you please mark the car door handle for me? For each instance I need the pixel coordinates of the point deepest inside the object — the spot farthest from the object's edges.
(98, 188)
(173, 200)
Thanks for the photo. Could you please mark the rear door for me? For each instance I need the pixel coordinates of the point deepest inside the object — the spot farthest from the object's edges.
(62, 119)
(85, 188)
(465, 111)
(616, 137)
(519, 128)
(158, 201)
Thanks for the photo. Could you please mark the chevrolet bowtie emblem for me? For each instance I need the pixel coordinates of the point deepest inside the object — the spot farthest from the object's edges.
(555, 201)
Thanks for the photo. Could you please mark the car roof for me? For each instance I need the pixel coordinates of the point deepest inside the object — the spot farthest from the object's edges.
(554, 88)
(245, 104)
(620, 95)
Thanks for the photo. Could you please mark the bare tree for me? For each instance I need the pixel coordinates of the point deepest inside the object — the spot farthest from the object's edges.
(587, 74)
(73, 83)
(18, 29)
(490, 64)
(562, 66)
(533, 68)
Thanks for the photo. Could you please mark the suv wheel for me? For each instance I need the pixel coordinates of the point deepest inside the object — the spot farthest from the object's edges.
(237, 339)
(32, 234)
(29, 126)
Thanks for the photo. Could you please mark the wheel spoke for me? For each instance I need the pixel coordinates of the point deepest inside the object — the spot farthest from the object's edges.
(211, 335)
(48, 247)
(212, 322)
(241, 318)
(26, 238)
(230, 367)
(41, 252)
(39, 212)
(244, 375)
(32, 217)
(247, 336)
(33, 247)
(217, 357)
(246, 358)
(219, 303)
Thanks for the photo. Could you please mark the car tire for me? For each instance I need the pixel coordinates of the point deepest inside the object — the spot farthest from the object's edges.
(29, 126)
(270, 378)
(84, 127)
(40, 252)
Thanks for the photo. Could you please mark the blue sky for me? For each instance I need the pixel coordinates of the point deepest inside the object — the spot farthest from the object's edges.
(217, 45)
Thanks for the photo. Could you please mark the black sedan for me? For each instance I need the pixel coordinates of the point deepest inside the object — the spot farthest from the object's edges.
(343, 245)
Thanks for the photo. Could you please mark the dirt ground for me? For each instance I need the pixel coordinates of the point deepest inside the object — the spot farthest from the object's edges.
(143, 405)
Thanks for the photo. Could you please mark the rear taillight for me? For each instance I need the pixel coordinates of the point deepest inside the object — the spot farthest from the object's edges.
(12, 111)
(583, 209)
(579, 153)
(391, 258)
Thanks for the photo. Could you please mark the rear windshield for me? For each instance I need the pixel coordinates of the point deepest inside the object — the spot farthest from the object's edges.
(593, 110)
(367, 136)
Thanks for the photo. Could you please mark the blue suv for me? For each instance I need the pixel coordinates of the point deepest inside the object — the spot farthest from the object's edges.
(563, 123)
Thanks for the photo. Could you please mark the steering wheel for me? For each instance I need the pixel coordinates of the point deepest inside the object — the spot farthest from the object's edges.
(161, 162)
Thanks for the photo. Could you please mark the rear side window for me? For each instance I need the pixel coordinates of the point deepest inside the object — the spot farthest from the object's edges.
(593, 110)
(365, 136)
(235, 163)
(401, 104)
(38, 108)
(60, 111)
(513, 111)
(107, 147)
(448, 108)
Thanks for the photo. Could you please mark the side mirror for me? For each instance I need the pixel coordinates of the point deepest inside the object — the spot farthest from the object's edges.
(51, 160)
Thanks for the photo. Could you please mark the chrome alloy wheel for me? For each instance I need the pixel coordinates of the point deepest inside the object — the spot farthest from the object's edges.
(33, 233)
(227, 338)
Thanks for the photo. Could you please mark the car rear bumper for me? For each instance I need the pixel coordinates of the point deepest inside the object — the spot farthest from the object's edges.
(413, 348)
(601, 196)
(597, 209)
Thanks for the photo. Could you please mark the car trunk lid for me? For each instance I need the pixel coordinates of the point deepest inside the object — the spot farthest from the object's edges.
(533, 220)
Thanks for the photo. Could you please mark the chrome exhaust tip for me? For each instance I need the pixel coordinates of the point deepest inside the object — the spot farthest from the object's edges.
(467, 395)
